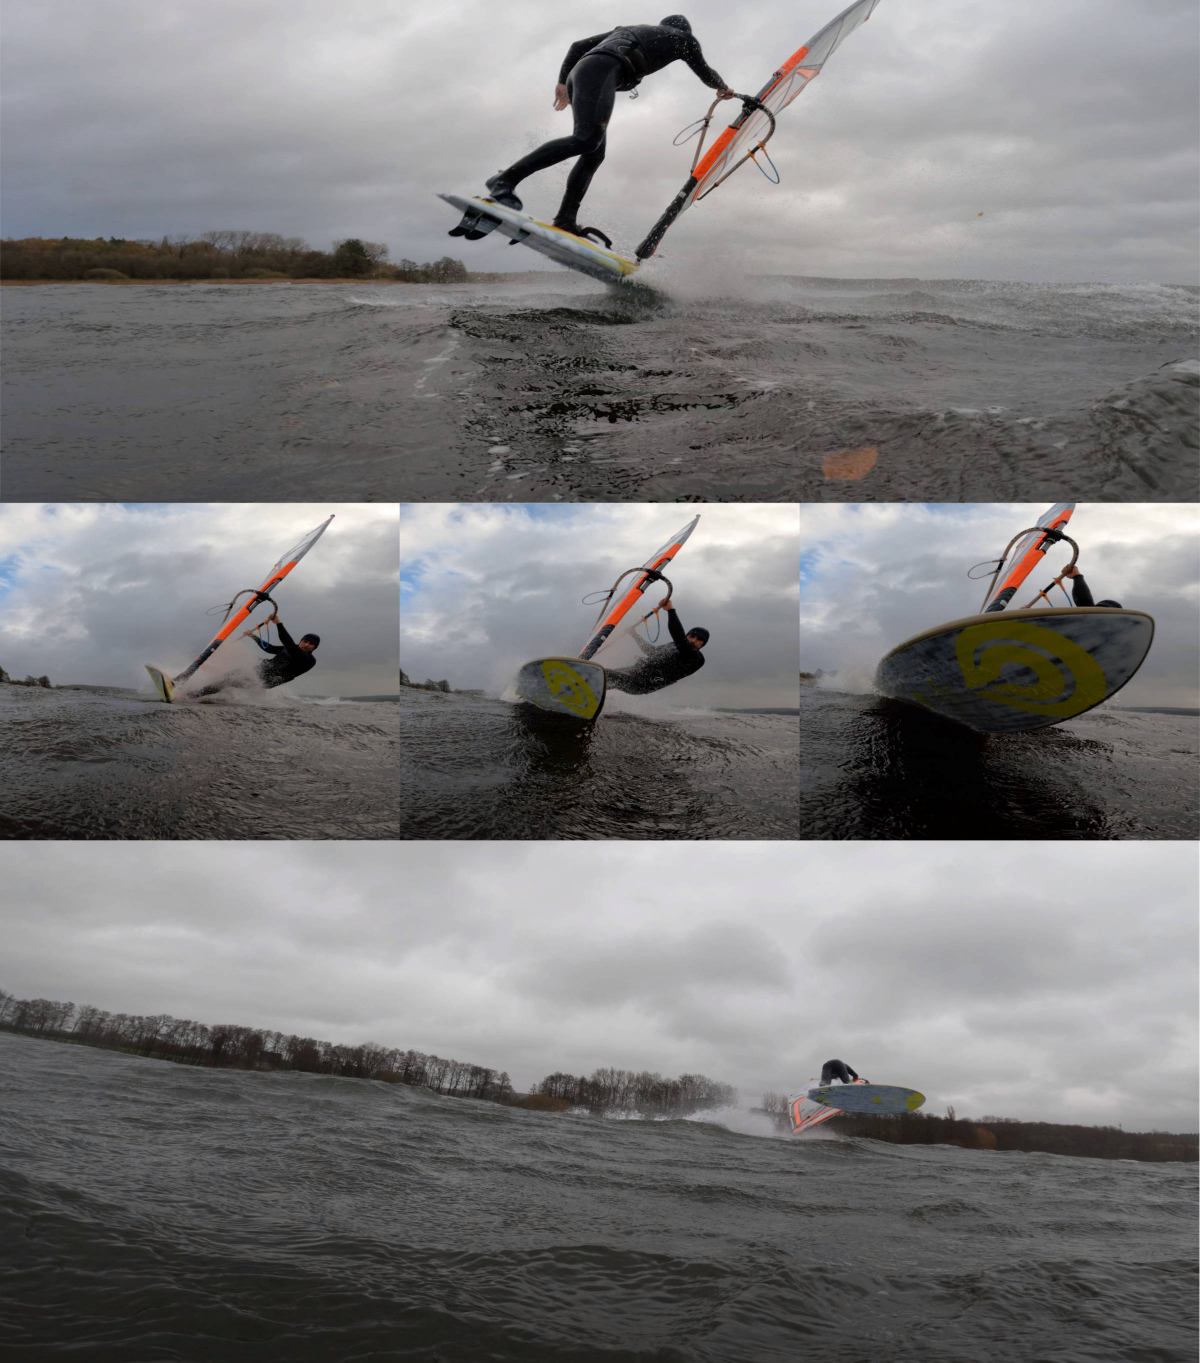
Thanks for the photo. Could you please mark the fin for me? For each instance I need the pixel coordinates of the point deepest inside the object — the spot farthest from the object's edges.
(474, 225)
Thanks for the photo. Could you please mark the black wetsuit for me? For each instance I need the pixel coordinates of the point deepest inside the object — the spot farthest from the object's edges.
(1081, 594)
(662, 665)
(837, 1069)
(287, 662)
(593, 70)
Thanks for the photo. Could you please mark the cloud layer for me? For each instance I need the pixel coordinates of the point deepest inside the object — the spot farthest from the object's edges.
(1020, 141)
(90, 592)
(1052, 982)
(484, 588)
(874, 576)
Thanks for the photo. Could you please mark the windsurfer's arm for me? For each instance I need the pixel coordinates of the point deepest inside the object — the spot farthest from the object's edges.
(1081, 593)
(678, 637)
(290, 647)
(695, 59)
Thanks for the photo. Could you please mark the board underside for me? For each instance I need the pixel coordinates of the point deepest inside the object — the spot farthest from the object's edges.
(568, 687)
(1013, 670)
(162, 683)
(573, 252)
(878, 1098)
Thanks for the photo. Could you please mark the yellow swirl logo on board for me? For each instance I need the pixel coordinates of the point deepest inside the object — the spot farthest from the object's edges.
(1068, 681)
(914, 1101)
(569, 689)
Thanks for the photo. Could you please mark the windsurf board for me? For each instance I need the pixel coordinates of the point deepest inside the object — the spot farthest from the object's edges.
(860, 1097)
(569, 687)
(576, 253)
(1006, 671)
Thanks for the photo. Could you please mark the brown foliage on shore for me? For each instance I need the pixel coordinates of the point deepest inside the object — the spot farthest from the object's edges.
(224, 255)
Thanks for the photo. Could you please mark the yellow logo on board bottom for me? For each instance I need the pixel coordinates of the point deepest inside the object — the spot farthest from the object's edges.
(1068, 681)
(569, 689)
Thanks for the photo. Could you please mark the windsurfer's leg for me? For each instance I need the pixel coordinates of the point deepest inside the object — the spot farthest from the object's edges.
(834, 1069)
(578, 182)
(593, 89)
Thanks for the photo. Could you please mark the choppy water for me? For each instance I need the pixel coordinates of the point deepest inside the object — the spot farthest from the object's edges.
(555, 388)
(875, 768)
(110, 763)
(151, 1211)
(474, 767)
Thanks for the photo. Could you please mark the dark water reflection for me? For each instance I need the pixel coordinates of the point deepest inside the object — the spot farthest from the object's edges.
(874, 768)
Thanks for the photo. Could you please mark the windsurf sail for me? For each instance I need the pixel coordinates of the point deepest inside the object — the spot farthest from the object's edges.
(804, 1113)
(235, 614)
(1022, 558)
(746, 136)
(650, 572)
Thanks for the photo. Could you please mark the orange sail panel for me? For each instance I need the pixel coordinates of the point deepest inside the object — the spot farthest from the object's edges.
(255, 598)
(643, 579)
(1026, 554)
(752, 125)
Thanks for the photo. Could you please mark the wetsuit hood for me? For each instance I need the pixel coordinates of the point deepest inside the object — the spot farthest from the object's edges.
(700, 631)
(313, 639)
(675, 21)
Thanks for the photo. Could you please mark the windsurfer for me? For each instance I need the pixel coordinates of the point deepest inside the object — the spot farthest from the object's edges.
(592, 72)
(289, 659)
(1081, 594)
(839, 1070)
(664, 664)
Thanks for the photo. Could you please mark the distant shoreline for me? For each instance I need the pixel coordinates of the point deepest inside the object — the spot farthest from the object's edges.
(346, 279)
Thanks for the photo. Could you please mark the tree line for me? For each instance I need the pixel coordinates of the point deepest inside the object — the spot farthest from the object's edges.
(1008, 1133)
(214, 255)
(231, 1046)
(648, 1095)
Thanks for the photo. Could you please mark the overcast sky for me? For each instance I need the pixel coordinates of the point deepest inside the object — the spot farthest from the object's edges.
(1056, 982)
(485, 588)
(1070, 127)
(873, 576)
(90, 592)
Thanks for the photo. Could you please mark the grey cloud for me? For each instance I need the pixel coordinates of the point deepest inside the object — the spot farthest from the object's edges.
(96, 591)
(882, 575)
(496, 586)
(1050, 981)
(1070, 126)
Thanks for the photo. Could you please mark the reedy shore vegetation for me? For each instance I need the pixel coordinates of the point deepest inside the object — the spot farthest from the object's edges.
(223, 255)
(1003, 1133)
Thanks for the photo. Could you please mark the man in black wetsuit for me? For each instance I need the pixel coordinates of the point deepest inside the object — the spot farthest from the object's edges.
(836, 1069)
(663, 663)
(1081, 594)
(592, 72)
(288, 661)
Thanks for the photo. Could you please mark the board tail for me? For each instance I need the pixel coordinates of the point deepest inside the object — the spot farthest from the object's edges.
(568, 687)
(162, 683)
